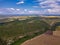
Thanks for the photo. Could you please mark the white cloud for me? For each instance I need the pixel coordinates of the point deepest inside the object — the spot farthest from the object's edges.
(55, 11)
(25, 10)
(1, 12)
(12, 8)
(33, 12)
(11, 11)
(18, 9)
(48, 3)
(20, 2)
(50, 6)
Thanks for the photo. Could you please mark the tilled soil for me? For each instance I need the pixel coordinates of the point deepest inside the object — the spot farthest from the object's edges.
(43, 39)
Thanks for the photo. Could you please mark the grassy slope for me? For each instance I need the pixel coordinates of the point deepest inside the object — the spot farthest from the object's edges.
(17, 28)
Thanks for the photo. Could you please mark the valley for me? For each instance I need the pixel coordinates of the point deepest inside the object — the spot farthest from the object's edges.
(17, 29)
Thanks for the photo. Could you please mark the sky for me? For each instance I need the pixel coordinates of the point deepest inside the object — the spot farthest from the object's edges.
(29, 6)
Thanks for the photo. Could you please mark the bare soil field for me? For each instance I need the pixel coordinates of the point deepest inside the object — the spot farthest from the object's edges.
(56, 33)
(43, 39)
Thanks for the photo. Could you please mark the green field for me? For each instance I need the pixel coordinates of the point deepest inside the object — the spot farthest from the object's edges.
(29, 27)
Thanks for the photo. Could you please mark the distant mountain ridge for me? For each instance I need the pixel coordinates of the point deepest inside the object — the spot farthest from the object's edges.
(9, 15)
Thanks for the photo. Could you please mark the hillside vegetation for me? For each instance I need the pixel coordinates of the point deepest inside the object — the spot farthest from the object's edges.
(16, 29)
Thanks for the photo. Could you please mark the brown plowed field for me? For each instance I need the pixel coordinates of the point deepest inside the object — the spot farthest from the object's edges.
(43, 39)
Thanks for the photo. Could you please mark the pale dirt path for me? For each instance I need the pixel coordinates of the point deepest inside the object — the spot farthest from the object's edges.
(43, 39)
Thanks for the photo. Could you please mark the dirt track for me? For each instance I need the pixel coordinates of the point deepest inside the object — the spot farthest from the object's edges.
(43, 39)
